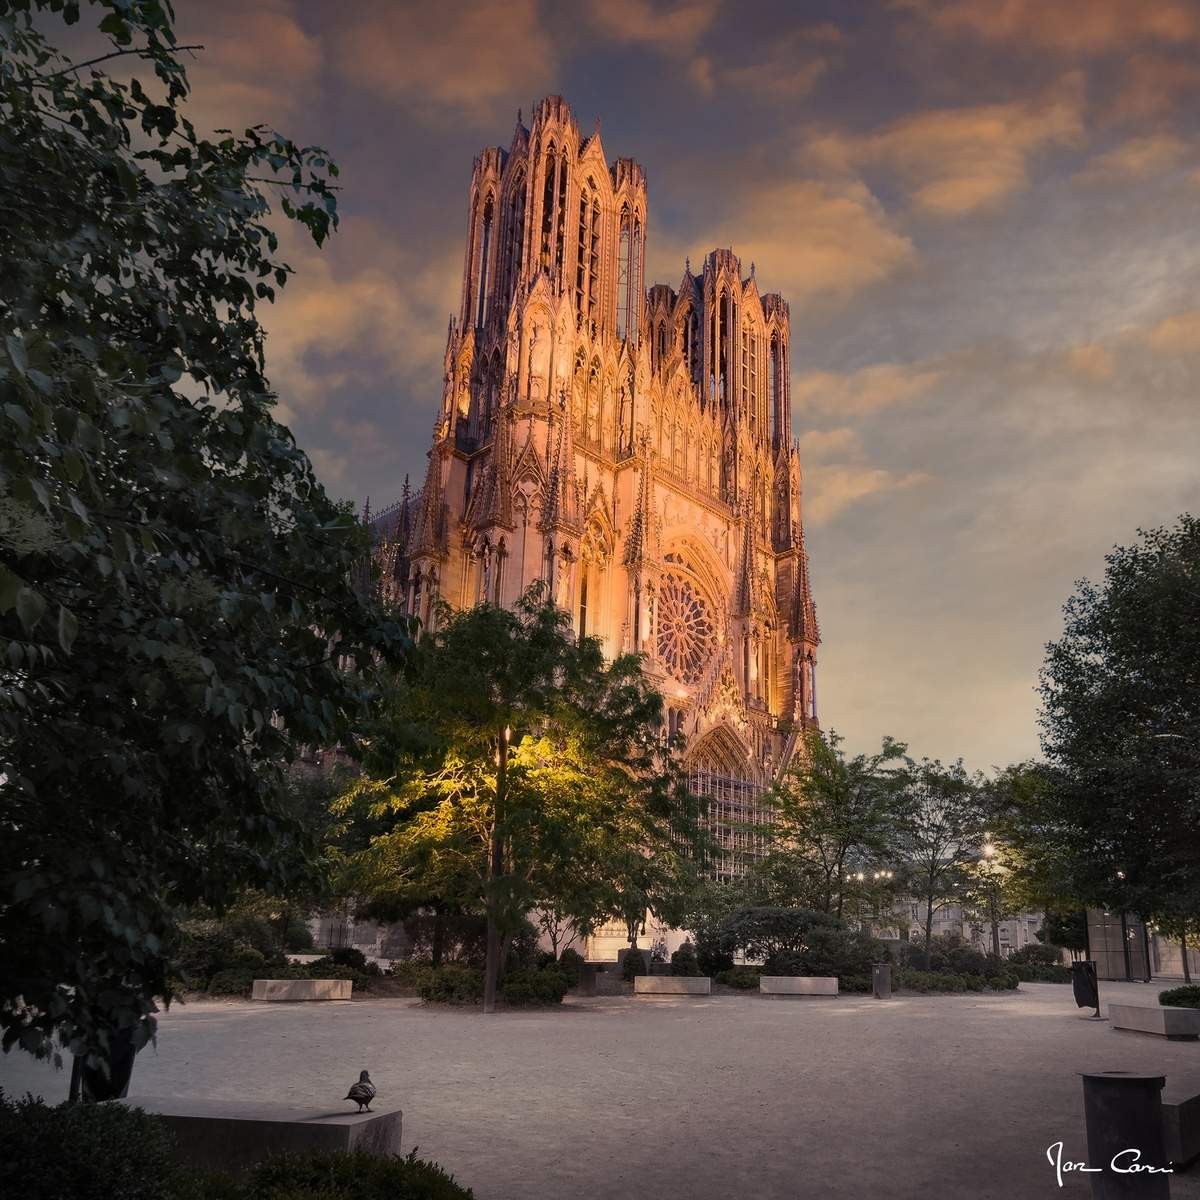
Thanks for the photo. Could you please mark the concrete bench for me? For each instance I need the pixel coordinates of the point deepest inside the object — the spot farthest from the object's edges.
(1177, 1024)
(671, 985)
(798, 985)
(233, 1135)
(301, 989)
(1181, 1121)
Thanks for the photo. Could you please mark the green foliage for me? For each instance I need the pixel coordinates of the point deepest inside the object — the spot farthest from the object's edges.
(1181, 997)
(570, 963)
(1035, 972)
(452, 984)
(842, 952)
(632, 965)
(233, 981)
(765, 933)
(1066, 929)
(349, 956)
(412, 974)
(523, 952)
(831, 817)
(941, 981)
(525, 986)
(1120, 820)
(684, 961)
(83, 1151)
(177, 599)
(297, 938)
(743, 978)
(1039, 953)
(352, 1176)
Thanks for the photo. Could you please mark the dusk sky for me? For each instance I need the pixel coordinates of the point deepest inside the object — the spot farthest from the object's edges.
(983, 213)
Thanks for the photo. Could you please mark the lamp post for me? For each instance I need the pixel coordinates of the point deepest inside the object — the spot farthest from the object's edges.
(993, 892)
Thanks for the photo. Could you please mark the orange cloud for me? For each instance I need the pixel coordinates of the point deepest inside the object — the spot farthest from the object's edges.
(823, 444)
(1090, 362)
(468, 58)
(957, 161)
(867, 390)
(674, 28)
(1064, 26)
(1178, 334)
(1135, 157)
(833, 489)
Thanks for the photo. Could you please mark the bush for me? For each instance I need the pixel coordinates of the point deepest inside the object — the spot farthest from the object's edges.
(713, 953)
(634, 964)
(524, 987)
(453, 984)
(1004, 981)
(842, 952)
(352, 1176)
(1187, 996)
(683, 961)
(855, 983)
(523, 950)
(348, 956)
(765, 932)
(1034, 972)
(83, 1151)
(941, 981)
(297, 938)
(233, 981)
(571, 965)
(743, 978)
(1036, 953)
(412, 974)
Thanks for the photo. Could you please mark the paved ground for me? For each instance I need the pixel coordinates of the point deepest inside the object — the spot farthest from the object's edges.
(733, 1096)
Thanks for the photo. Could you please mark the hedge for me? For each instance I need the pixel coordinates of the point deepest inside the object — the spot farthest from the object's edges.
(526, 987)
(1187, 996)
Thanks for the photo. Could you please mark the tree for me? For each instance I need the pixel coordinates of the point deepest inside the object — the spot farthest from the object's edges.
(519, 768)
(990, 887)
(1121, 728)
(830, 817)
(1067, 930)
(942, 828)
(176, 611)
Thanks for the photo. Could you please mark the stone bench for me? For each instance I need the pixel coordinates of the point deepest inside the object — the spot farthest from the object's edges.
(1181, 1121)
(671, 985)
(301, 989)
(798, 985)
(1177, 1024)
(233, 1135)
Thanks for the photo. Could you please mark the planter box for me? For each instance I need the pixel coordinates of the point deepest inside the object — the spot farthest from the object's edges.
(671, 985)
(1181, 1123)
(798, 985)
(233, 1135)
(301, 989)
(1177, 1024)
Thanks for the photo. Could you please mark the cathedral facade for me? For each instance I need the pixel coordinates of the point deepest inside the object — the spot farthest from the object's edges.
(629, 446)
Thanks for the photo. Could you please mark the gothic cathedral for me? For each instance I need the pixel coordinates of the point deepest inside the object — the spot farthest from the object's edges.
(630, 447)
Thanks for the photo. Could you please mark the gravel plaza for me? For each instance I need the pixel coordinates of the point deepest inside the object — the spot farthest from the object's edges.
(728, 1096)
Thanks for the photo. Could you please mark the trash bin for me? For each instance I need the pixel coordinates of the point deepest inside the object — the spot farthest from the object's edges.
(1084, 984)
(1123, 1113)
(881, 980)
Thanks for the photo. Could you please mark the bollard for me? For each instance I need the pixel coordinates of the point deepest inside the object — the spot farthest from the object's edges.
(881, 980)
(1123, 1113)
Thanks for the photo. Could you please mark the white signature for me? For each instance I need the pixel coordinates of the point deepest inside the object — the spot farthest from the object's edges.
(1124, 1162)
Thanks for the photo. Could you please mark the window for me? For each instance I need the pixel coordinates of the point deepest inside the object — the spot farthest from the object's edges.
(583, 602)
(485, 247)
(773, 388)
(624, 253)
(545, 260)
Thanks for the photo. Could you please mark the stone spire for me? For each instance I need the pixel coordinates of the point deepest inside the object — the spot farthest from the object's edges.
(640, 546)
(743, 599)
(428, 536)
(495, 500)
(560, 488)
(803, 617)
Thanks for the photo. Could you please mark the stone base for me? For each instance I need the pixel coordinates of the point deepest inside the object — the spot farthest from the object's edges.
(1181, 1124)
(233, 1135)
(798, 985)
(1176, 1024)
(671, 985)
(302, 989)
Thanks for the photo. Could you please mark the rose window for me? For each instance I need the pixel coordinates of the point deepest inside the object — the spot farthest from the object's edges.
(686, 633)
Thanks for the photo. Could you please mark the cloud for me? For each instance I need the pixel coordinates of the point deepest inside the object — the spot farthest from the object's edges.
(1178, 334)
(1091, 363)
(467, 59)
(1135, 157)
(957, 161)
(1071, 27)
(807, 237)
(672, 28)
(834, 488)
(790, 65)
(867, 390)
(821, 444)
(1153, 83)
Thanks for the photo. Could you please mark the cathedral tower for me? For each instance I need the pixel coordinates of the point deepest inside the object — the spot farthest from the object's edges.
(633, 448)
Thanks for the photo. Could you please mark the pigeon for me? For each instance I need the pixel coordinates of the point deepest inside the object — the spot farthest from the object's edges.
(362, 1092)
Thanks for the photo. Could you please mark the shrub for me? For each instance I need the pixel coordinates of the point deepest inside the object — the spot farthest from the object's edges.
(523, 951)
(1035, 972)
(1004, 981)
(1187, 996)
(743, 978)
(855, 983)
(453, 984)
(941, 981)
(412, 974)
(766, 932)
(297, 938)
(1039, 954)
(841, 952)
(634, 964)
(83, 1151)
(352, 1176)
(683, 961)
(233, 981)
(523, 987)
(713, 953)
(348, 956)
(571, 964)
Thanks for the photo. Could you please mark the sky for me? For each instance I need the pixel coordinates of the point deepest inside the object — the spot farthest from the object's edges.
(982, 212)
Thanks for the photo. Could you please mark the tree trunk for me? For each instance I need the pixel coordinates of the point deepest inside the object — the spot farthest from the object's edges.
(995, 915)
(1187, 972)
(439, 935)
(491, 971)
(929, 915)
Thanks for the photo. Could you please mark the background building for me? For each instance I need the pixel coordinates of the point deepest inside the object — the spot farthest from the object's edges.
(631, 448)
